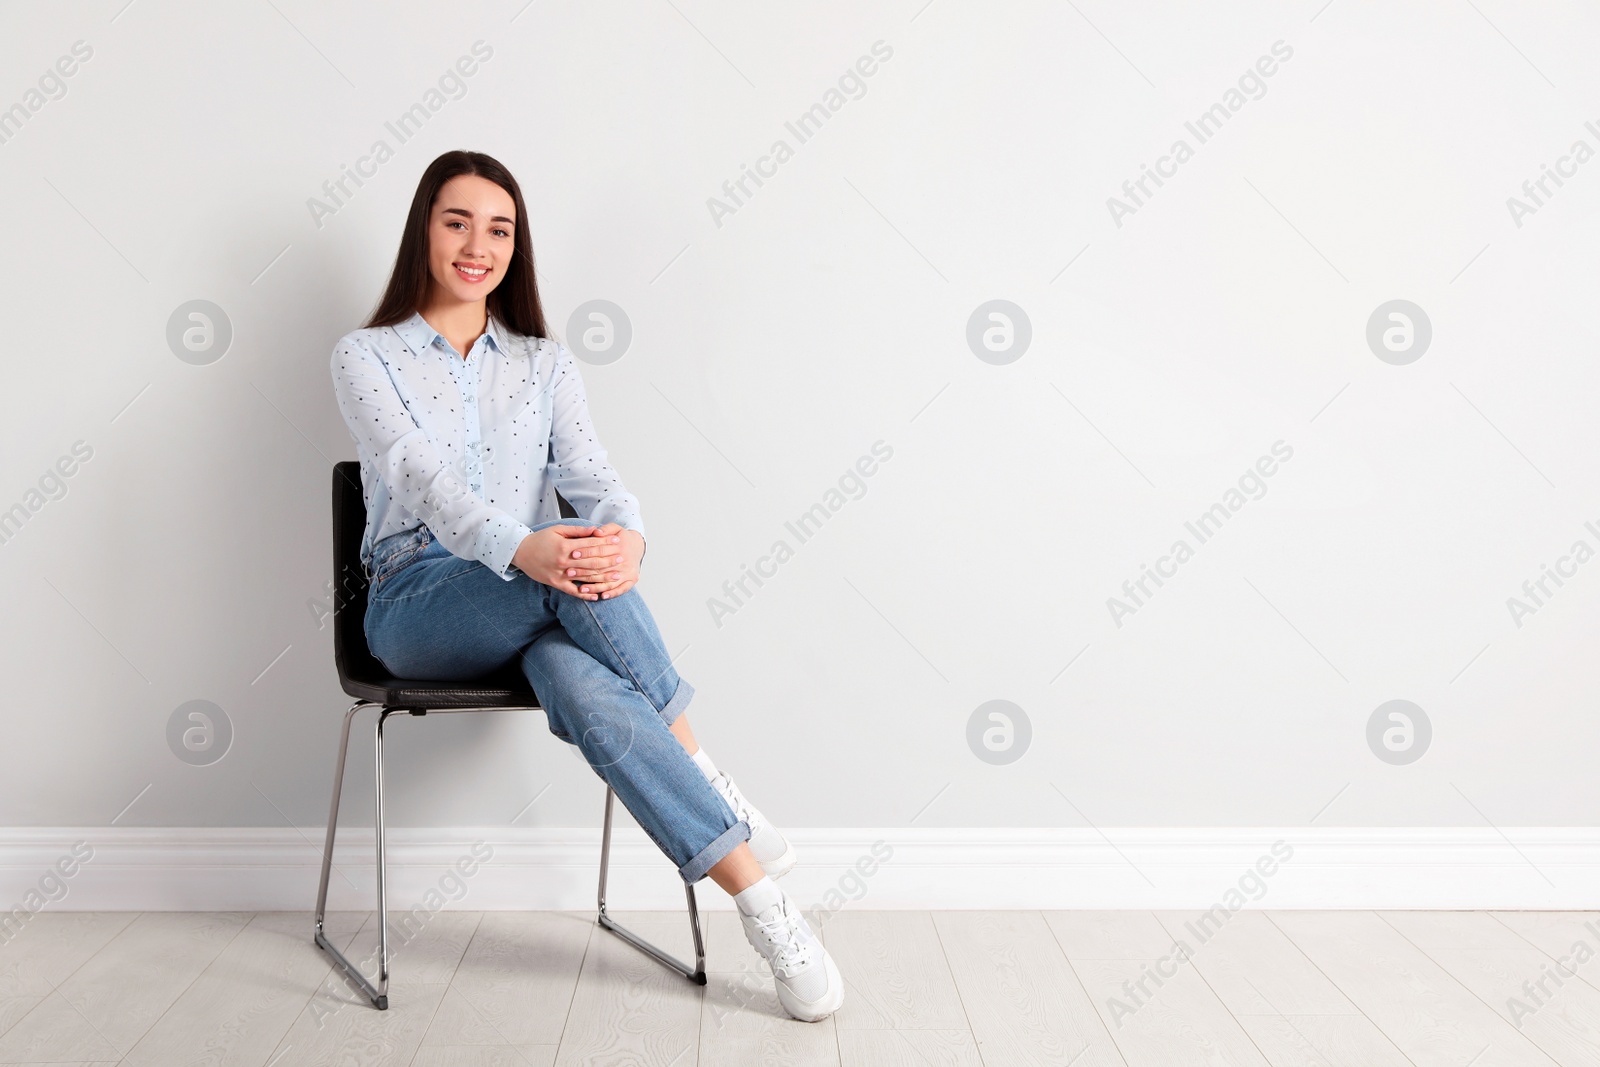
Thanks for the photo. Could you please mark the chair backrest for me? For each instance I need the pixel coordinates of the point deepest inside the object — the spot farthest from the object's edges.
(350, 652)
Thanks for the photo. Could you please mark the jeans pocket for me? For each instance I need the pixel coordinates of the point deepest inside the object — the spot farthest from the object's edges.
(391, 562)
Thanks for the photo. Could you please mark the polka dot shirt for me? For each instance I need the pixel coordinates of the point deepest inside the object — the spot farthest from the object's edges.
(474, 448)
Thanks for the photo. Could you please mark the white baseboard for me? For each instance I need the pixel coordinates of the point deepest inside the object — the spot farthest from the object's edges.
(251, 869)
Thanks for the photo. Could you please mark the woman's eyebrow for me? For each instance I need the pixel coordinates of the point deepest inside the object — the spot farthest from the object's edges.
(468, 214)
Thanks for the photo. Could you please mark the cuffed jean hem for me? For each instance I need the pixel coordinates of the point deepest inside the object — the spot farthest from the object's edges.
(709, 856)
(680, 700)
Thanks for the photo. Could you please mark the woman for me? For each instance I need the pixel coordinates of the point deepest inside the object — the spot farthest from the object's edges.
(467, 418)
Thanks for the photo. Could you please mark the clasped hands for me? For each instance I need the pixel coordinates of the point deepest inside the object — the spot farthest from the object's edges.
(591, 562)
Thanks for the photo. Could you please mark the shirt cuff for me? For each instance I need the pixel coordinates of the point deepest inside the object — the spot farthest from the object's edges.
(628, 520)
(498, 541)
(642, 537)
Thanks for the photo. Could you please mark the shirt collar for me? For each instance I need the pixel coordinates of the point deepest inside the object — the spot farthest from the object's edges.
(420, 336)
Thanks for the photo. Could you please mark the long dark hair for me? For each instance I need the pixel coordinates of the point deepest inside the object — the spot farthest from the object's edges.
(515, 301)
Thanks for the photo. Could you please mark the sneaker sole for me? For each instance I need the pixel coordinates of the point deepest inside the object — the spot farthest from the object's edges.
(818, 1010)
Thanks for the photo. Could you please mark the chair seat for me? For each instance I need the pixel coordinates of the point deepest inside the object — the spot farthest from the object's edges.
(503, 689)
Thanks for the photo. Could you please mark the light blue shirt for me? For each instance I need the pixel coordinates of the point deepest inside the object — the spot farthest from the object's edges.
(474, 448)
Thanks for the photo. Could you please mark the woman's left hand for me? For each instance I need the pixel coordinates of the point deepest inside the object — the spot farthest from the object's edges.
(625, 565)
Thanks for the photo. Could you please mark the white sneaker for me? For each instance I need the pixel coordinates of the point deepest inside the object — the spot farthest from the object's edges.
(770, 848)
(809, 985)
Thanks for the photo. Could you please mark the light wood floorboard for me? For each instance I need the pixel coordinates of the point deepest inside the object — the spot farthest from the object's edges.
(240, 1007)
(1429, 1015)
(924, 989)
(1024, 1003)
(105, 1006)
(629, 1009)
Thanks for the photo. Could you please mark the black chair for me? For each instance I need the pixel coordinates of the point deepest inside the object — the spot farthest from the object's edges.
(364, 678)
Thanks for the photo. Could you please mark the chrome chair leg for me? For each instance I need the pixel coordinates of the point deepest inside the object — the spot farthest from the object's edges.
(695, 974)
(378, 996)
(381, 1001)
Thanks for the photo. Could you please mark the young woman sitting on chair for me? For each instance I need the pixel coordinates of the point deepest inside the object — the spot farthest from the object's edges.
(468, 417)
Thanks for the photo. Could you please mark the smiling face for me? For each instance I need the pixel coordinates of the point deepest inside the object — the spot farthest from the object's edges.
(471, 233)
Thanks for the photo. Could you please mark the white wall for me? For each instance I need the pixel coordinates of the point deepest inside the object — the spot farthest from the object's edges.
(1169, 352)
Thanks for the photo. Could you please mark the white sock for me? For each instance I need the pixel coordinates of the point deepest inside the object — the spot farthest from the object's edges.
(707, 768)
(758, 896)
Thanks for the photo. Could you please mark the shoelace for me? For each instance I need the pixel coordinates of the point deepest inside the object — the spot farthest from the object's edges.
(783, 930)
(741, 808)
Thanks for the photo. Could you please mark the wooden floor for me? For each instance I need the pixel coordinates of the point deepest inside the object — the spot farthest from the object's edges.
(1001, 989)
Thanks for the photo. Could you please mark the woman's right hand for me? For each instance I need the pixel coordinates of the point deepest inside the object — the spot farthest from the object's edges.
(546, 557)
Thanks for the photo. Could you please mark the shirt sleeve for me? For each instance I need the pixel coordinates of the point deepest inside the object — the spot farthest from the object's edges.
(416, 475)
(578, 463)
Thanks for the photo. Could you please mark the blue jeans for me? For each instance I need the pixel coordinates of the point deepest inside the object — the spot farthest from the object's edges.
(599, 668)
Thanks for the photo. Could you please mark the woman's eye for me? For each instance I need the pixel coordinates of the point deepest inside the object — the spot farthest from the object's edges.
(499, 230)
